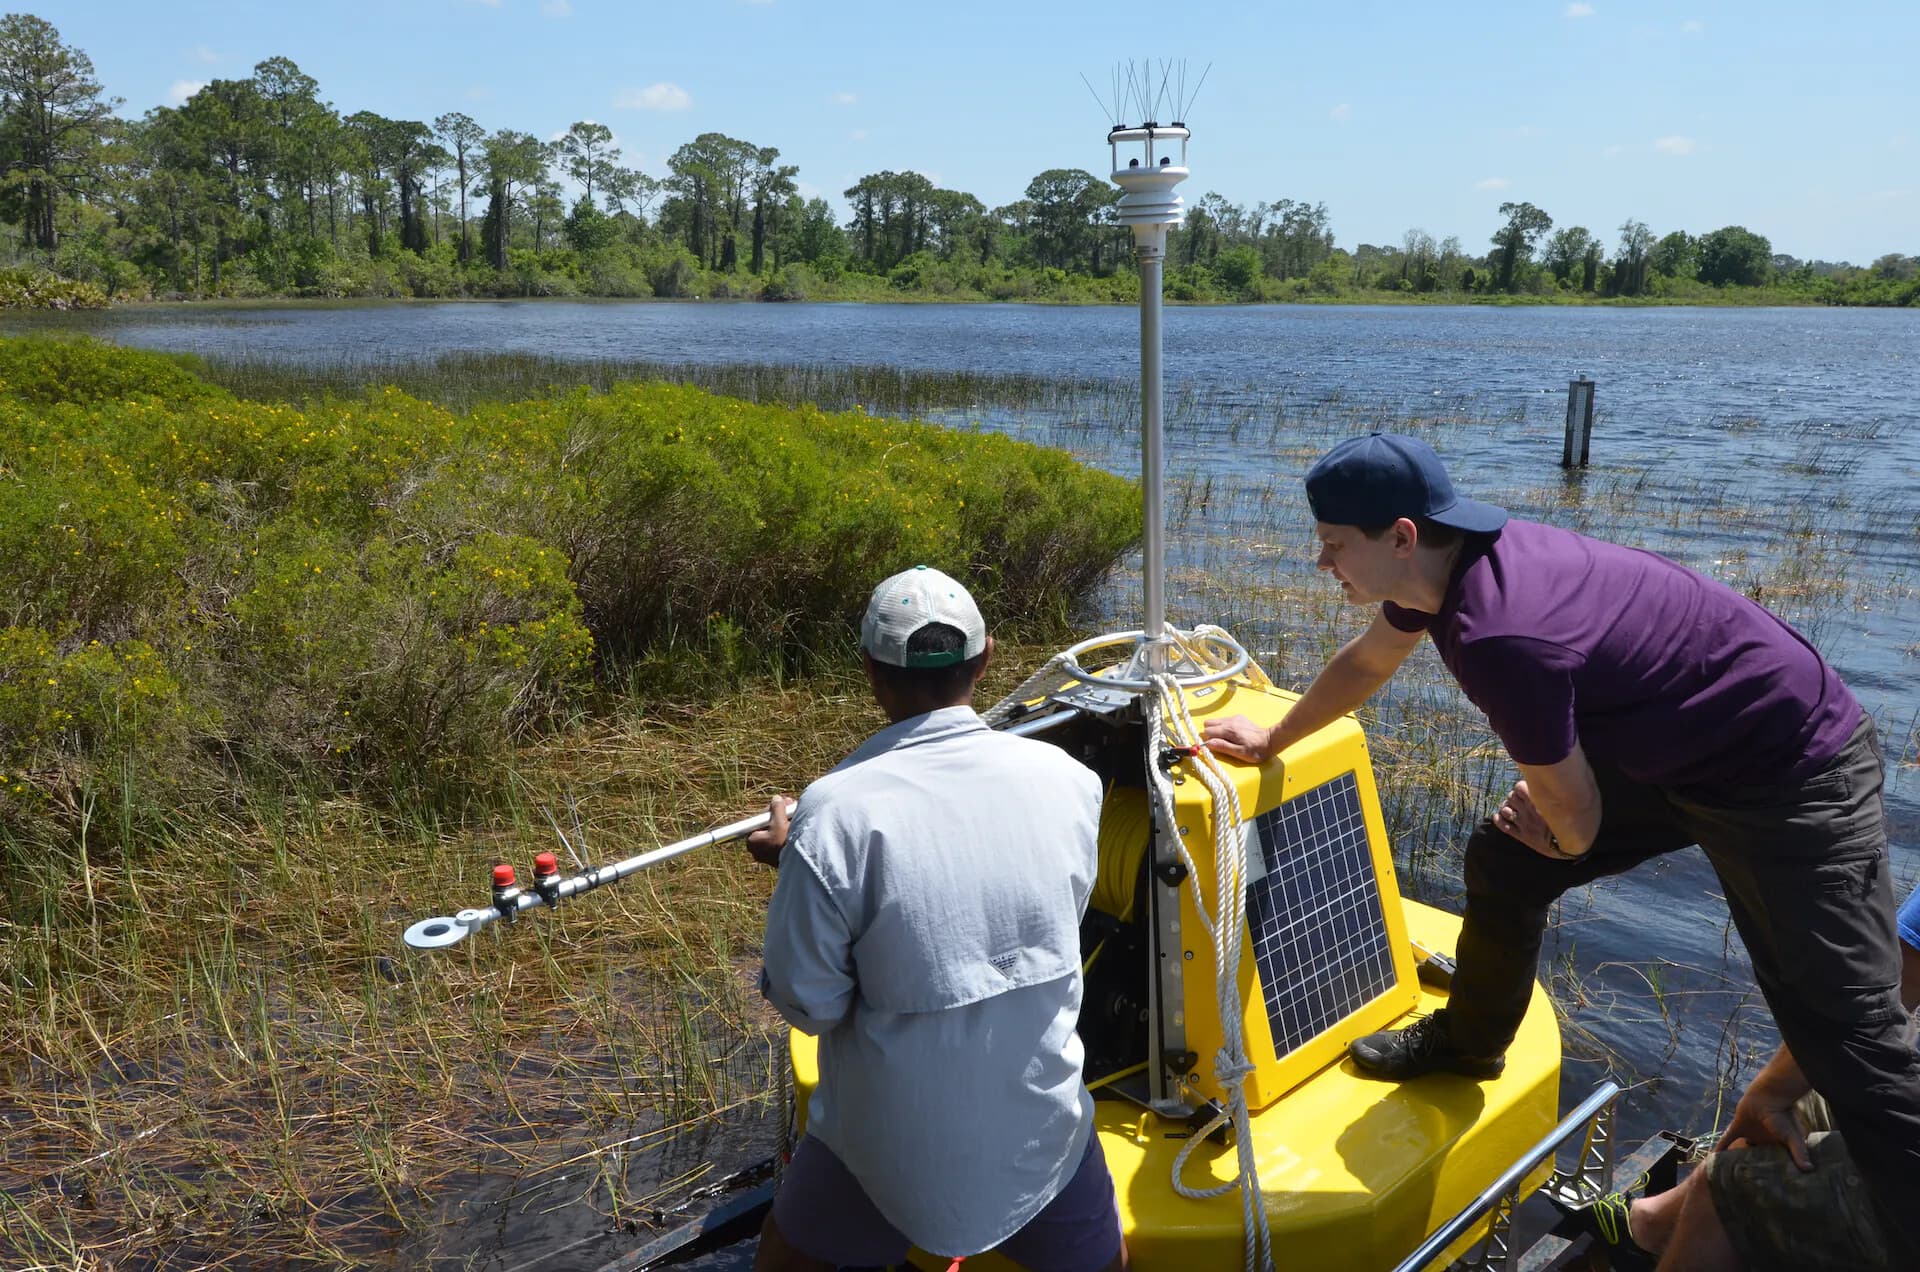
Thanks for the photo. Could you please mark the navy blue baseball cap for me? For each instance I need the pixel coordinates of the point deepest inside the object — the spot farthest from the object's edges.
(1377, 479)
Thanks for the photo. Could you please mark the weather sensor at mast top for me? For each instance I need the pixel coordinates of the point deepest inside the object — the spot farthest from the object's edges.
(1146, 170)
(1149, 158)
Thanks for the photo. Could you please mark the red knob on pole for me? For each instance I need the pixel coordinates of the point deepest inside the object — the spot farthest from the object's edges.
(545, 864)
(503, 876)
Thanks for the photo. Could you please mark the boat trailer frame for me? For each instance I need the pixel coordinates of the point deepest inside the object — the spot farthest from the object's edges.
(1572, 1192)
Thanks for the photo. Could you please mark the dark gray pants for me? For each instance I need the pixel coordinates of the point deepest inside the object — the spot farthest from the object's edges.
(1807, 880)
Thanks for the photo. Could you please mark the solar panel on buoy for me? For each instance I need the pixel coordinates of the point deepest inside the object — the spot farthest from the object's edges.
(1325, 956)
(1314, 913)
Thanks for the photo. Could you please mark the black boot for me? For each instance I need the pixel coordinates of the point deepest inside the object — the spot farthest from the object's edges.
(1421, 1048)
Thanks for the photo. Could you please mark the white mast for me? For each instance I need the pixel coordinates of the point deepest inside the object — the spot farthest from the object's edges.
(1146, 167)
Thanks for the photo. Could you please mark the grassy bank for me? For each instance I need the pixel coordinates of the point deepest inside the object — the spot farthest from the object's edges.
(218, 1053)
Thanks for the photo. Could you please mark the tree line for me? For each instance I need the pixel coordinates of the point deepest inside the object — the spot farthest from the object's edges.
(260, 187)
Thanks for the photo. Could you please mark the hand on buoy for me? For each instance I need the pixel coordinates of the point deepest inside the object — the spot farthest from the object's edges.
(1239, 738)
(764, 845)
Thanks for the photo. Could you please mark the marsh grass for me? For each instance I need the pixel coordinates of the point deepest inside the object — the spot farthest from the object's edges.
(243, 1066)
(460, 381)
(239, 1064)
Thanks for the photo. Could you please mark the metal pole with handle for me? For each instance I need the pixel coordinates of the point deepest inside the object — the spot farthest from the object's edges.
(548, 888)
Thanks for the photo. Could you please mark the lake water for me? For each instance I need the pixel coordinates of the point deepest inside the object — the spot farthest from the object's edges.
(1777, 449)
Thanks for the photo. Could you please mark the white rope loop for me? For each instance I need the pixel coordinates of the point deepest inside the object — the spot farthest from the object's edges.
(1223, 926)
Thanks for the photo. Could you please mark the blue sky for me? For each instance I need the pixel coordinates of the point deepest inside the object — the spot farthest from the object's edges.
(1801, 122)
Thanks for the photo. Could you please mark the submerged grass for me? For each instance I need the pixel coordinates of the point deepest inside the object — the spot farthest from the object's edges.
(460, 381)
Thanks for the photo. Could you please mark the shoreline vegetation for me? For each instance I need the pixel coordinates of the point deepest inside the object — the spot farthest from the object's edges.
(209, 591)
(259, 188)
(82, 298)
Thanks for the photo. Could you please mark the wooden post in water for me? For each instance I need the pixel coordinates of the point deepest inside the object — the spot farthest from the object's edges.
(1579, 421)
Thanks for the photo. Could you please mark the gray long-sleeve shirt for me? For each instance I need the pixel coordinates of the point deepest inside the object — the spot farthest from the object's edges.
(926, 927)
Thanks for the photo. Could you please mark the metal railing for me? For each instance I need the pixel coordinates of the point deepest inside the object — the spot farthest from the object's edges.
(1590, 1179)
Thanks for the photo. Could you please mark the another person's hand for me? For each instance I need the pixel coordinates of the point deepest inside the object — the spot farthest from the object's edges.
(1240, 738)
(1766, 1117)
(1519, 818)
(765, 845)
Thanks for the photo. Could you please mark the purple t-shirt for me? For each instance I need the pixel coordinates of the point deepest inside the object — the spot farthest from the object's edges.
(1659, 672)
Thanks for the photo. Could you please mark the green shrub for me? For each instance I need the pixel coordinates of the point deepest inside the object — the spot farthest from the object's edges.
(377, 659)
(381, 589)
(44, 370)
(789, 282)
(783, 518)
(73, 722)
(27, 289)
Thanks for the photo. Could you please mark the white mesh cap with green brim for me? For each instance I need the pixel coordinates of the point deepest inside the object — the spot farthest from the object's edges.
(910, 600)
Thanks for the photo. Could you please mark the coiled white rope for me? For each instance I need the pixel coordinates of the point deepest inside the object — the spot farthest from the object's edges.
(1224, 926)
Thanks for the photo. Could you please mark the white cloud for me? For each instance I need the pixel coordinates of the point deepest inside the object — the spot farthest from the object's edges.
(480, 93)
(1675, 145)
(1342, 113)
(661, 96)
(1693, 26)
(844, 99)
(1892, 194)
(1492, 183)
(858, 134)
(1578, 10)
(491, 4)
(557, 8)
(183, 89)
(1614, 150)
(201, 53)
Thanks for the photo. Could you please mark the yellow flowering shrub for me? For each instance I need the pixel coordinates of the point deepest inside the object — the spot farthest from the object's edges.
(86, 547)
(375, 657)
(93, 717)
(49, 369)
(382, 587)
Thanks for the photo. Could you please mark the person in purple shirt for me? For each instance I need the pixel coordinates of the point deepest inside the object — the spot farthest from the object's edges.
(1648, 708)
